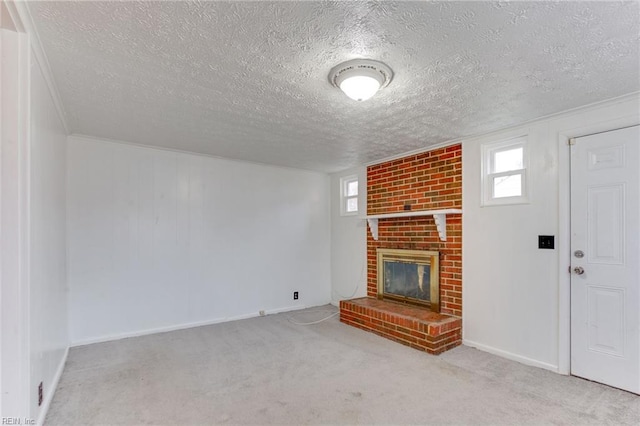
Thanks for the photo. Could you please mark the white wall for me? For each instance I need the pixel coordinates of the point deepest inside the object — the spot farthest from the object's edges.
(33, 201)
(14, 253)
(348, 241)
(515, 296)
(48, 291)
(160, 239)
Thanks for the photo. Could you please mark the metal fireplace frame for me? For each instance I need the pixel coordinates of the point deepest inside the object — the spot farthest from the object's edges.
(431, 258)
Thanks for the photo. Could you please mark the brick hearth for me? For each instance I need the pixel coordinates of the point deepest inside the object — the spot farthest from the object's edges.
(409, 325)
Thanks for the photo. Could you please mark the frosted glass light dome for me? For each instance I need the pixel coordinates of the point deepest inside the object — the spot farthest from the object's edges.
(360, 79)
(360, 87)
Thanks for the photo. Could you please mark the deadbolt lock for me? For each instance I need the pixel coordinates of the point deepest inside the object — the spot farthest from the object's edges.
(579, 254)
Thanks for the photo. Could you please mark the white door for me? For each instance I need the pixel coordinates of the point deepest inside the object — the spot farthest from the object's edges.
(605, 258)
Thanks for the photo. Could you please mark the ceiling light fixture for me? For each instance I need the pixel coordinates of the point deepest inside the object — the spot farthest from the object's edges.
(360, 79)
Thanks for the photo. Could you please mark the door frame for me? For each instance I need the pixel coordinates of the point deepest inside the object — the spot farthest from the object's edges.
(564, 133)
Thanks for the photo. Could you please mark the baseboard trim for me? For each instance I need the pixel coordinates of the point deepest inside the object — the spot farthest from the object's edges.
(52, 389)
(118, 336)
(510, 355)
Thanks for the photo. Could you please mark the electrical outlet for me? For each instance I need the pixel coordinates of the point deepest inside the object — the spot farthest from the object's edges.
(40, 394)
(295, 295)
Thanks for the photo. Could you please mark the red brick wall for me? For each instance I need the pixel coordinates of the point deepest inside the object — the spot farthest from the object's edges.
(426, 181)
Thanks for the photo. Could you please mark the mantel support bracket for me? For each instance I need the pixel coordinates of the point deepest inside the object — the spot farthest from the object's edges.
(440, 220)
(441, 225)
(373, 227)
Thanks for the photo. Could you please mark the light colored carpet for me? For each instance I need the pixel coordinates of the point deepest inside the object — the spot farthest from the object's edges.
(268, 370)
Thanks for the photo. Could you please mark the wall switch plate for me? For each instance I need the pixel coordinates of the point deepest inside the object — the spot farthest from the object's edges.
(295, 295)
(546, 242)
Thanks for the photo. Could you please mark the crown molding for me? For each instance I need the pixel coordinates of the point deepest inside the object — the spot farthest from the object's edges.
(20, 10)
(414, 152)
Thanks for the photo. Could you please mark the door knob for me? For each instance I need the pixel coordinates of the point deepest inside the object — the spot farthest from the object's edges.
(579, 270)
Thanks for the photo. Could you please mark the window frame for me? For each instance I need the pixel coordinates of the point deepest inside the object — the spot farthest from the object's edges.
(489, 150)
(344, 198)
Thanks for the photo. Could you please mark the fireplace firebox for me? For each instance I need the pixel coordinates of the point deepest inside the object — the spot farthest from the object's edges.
(409, 276)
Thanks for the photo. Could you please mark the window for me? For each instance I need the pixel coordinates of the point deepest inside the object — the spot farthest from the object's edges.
(349, 195)
(504, 172)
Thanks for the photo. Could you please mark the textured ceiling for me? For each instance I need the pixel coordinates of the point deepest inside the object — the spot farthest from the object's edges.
(248, 80)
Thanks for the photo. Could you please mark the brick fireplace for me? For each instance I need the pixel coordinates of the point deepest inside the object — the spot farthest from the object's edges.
(422, 182)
